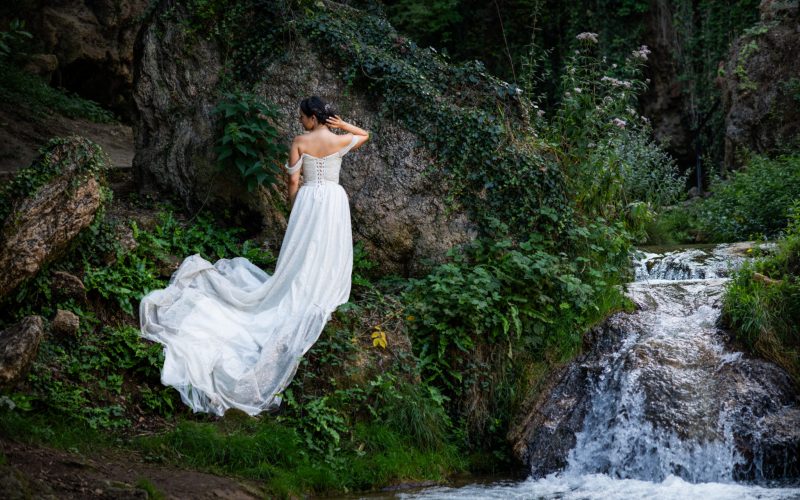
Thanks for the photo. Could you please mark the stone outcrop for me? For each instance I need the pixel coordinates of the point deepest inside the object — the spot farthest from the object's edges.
(92, 43)
(761, 87)
(545, 434)
(18, 346)
(397, 210)
(39, 223)
(65, 323)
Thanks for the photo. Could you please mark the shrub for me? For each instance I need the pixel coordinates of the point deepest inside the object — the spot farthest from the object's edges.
(754, 201)
(762, 302)
(250, 142)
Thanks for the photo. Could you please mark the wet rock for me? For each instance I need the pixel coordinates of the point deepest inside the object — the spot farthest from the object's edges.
(18, 346)
(40, 223)
(660, 391)
(543, 438)
(397, 208)
(65, 323)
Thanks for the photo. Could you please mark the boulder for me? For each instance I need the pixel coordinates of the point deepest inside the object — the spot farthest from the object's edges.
(18, 346)
(66, 286)
(65, 323)
(397, 203)
(46, 205)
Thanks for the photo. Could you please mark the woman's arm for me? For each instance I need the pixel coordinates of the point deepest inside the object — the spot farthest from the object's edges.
(294, 178)
(336, 122)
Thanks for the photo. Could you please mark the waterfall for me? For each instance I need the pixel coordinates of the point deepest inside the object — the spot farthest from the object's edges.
(660, 405)
(669, 401)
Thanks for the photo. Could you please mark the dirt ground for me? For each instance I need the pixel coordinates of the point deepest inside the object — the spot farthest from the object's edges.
(21, 136)
(39, 472)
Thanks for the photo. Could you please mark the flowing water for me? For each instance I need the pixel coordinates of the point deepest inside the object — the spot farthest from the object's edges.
(671, 411)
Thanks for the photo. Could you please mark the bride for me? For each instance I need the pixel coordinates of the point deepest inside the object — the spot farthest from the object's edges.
(233, 335)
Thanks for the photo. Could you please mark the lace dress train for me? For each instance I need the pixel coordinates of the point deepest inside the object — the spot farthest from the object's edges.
(234, 335)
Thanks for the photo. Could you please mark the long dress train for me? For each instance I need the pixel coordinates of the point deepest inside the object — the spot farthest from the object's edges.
(233, 335)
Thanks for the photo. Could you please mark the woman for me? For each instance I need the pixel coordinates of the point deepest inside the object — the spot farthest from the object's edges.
(233, 335)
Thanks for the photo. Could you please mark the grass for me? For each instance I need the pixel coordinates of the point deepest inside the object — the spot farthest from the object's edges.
(762, 303)
(375, 455)
(41, 100)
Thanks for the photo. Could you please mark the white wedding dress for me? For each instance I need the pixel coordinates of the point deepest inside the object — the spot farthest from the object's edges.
(233, 335)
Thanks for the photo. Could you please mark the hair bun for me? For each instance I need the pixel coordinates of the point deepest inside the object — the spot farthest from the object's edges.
(317, 107)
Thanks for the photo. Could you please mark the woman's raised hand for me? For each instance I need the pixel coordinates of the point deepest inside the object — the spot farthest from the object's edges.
(334, 121)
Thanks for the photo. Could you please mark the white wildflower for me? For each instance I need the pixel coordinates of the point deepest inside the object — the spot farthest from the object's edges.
(641, 53)
(540, 113)
(592, 37)
(567, 94)
(630, 111)
(619, 123)
(614, 65)
(578, 90)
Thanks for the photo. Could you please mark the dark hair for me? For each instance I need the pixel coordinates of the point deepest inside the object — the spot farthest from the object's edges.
(314, 106)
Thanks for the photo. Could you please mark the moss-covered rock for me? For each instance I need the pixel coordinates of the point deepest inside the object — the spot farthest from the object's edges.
(47, 204)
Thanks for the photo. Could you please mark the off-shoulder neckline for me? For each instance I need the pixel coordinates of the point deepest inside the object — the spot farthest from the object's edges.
(350, 144)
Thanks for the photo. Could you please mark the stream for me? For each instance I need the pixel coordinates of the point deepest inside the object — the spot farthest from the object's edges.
(662, 407)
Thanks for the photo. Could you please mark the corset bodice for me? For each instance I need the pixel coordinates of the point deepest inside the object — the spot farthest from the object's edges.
(317, 170)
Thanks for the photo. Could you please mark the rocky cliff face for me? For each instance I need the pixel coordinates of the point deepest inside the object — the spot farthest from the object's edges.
(664, 103)
(761, 86)
(397, 209)
(88, 46)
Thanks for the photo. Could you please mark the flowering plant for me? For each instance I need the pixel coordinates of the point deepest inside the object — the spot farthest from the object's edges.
(613, 165)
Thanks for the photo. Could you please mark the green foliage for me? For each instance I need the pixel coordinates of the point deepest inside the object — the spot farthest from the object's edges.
(88, 158)
(250, 142)
(523, 299)
(762, 302)
(706, 29)
(272, 452)
(499, 293)
(249, 30)
(152, 492)
(11, 41)
(107, 374)
(792, 87)
(467, 118)
(754, 201)
(610, 159)
(40, 100)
